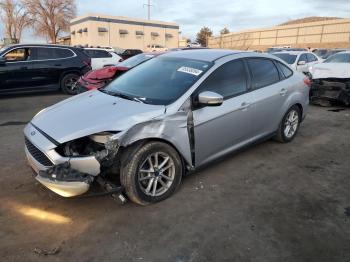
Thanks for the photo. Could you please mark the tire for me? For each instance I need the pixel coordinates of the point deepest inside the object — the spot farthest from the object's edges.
(293, 113)
(140, 186)
(68, 84)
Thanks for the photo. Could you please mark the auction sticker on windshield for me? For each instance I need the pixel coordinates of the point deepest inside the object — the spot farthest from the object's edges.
(190, 70)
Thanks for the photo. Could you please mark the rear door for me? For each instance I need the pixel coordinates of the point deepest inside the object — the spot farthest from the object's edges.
(49, 63)
(223, 128)
(270, 91)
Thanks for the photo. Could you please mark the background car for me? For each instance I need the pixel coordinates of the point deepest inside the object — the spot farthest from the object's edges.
(165, 117)
(101, 58)
(321, 52)
(99, 78)
(331, 52)
(127, 53)
(299, 60)
(156, 48)
(25, 68)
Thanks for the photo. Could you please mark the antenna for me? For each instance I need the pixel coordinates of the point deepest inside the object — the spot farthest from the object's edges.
(149, 5)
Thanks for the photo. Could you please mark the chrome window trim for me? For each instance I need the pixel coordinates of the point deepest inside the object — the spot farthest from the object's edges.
(29, 46)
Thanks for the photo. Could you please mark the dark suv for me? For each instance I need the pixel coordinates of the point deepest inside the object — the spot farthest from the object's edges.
(26, 68)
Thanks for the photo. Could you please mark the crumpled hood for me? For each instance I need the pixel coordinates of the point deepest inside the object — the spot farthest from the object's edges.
(92, 112)
(330, 70)
(107, 72)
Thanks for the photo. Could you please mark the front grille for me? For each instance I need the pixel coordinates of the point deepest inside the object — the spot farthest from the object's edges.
(37, 154)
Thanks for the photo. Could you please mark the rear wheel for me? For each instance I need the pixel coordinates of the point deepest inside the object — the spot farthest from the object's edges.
(152, 173)
(68, 84)
(289, 125)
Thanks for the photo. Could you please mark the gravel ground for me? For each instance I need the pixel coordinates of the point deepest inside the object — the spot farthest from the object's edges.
(271, 202)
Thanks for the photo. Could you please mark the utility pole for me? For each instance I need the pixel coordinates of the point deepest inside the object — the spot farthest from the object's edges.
(149, 5)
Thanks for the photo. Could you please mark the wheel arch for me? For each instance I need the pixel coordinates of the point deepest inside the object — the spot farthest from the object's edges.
(135, 145)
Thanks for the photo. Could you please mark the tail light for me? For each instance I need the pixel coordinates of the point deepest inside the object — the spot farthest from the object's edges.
(307, 81)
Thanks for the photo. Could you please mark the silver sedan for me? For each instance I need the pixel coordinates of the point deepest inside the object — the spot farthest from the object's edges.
(165, 118)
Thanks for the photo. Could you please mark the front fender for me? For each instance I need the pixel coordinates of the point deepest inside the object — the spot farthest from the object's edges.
(171, 128)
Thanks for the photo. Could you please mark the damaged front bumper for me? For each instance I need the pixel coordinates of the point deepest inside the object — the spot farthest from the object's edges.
(66, 176)
(330, 90)
(65, 181)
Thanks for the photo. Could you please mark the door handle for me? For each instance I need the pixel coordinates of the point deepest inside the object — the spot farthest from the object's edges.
(244, 106)
(24, 68)
(58, 65)
(283, 92)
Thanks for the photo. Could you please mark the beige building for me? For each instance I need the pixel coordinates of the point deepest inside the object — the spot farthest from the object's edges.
(322, 33)
(122, 32)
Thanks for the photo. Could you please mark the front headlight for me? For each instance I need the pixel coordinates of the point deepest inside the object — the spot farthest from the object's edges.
(102, 138)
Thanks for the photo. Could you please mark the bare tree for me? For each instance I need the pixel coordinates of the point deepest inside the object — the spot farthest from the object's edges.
(14, 17)
(50, 17)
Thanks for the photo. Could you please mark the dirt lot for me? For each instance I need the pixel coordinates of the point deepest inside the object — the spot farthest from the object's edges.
(271, 202)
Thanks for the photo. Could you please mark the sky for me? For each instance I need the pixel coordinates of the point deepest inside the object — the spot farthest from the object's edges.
(236, 15)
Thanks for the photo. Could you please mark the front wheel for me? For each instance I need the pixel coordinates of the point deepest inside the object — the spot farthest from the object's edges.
(69, 84)
(289, 125)
(152, 174)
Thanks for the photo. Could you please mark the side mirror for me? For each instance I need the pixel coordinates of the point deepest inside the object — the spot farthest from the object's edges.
(2, 61)
(302, 63)
(208, 98)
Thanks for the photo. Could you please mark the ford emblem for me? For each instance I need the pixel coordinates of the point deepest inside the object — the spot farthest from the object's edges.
(33, 133)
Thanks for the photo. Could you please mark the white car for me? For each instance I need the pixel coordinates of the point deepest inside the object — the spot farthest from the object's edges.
(101, 58)
(299, 60)
(331, 80)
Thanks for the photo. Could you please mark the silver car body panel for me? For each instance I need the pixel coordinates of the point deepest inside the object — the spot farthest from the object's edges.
(199, 135)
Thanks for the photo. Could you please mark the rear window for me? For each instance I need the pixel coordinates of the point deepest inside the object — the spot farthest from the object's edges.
(287, 72)
(45, 53)
(264, 72)
(288, 58)
(97, 53)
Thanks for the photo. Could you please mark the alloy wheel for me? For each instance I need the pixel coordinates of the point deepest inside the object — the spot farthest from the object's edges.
(156, 174)
(291, 124)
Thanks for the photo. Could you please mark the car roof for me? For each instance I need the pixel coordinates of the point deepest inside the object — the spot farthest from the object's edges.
(39, 45)
(293, 52)
(208, 55)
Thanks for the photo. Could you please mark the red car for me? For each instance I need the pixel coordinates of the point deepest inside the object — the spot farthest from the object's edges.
(96, 79)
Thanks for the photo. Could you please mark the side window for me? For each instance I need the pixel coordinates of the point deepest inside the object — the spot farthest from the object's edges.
(264, 72)
(228, 80)
(303, 58)
(104, 54)
(43, 53)
(19, 54)
(311, 58)
(287, 72)
(63, 53)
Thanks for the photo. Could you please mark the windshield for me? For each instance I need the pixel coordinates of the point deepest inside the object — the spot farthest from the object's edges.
(159, 81)
(3, 49)
(288, 58)
(338, 58)
(135, 60)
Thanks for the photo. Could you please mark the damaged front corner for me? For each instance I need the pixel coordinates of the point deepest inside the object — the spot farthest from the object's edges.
(174, 129)
(64, 180)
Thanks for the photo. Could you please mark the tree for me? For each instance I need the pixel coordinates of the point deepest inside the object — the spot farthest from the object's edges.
(14, 17)
(203, 35)
(50, 17)
(224, 31)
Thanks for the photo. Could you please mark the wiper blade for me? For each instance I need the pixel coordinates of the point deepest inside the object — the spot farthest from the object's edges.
(129, 97)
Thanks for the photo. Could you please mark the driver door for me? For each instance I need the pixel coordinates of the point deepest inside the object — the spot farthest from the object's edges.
(14, 73)
(220, 129)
